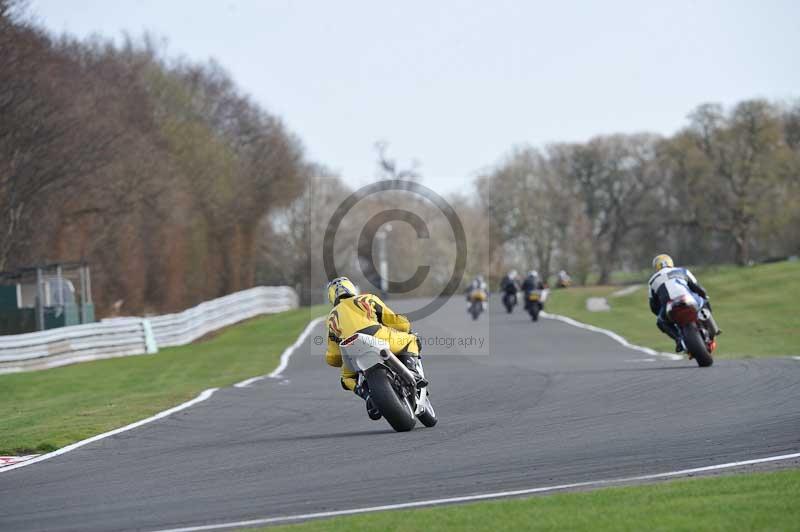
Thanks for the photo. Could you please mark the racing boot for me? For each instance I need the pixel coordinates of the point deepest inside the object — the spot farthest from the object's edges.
(714, 326)
(363, 392)
(680, 347)
(709, 317)
(372, 410)
(411, 363)
(671, 330)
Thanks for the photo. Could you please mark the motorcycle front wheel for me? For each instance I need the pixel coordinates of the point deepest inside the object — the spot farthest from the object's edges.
(393, 407)
(696, 346)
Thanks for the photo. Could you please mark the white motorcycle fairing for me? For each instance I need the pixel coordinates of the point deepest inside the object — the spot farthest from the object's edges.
(361, 352)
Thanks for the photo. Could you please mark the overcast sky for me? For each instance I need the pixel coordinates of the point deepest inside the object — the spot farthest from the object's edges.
(455, 85)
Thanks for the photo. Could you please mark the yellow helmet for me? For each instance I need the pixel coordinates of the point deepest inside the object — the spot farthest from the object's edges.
(339, 288)
(662, 261)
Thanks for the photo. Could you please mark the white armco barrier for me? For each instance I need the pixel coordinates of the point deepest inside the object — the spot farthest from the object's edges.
(136, 336)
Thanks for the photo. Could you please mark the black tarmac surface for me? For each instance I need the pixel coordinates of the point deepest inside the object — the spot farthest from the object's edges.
(535, 404)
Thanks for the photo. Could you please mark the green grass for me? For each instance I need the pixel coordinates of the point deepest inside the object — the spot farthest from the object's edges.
(756, 308)
(761, 501)
(45, 410)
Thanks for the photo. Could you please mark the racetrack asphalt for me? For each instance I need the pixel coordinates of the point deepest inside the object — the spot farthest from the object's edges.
(537, 404)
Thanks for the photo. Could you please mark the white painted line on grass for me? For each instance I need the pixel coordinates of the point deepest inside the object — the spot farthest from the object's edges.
(200, 398)
(285, 356)
(628, 290)
(612, 335)
(478, 497)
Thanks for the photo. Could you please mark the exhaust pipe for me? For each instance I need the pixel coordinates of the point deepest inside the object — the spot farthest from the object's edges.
(398, 367)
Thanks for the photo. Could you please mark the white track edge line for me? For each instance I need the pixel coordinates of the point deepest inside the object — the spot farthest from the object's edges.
(285, 356)
(205, 394)
(478, 497)
(610, 334)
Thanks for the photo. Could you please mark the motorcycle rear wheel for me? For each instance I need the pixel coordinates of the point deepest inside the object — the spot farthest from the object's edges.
(475, 311)
(393, 408)
(696, 346)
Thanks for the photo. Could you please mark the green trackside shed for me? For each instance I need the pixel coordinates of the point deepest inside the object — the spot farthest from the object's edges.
(45, 297)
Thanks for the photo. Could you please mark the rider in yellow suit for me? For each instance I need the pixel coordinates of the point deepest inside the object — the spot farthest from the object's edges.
(366, 313)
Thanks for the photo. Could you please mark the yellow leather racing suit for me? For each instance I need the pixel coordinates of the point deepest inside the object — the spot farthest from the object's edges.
(366, 314)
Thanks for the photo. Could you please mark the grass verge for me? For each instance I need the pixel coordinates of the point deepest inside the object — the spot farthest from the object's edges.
(755, 308)
(45, 410)
(760, 501)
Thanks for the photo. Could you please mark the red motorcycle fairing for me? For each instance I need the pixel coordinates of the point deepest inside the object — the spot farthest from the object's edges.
(682, 310)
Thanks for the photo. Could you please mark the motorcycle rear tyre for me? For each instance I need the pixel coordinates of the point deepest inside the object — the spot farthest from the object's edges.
(393, 408)
(696, 346)
(508, 302)
(475, 311)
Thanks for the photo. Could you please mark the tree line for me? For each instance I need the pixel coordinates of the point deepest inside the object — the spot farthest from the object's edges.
(725, 188)
(158, 172)
(177, 188)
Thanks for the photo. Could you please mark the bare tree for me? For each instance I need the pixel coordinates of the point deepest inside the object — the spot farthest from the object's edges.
(614, 177)
(741, 155)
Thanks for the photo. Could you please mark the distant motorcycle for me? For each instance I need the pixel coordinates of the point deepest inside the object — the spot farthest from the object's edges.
(400, 395)
(510, 301)
(477, 302)
(692, 316)
(534, 303)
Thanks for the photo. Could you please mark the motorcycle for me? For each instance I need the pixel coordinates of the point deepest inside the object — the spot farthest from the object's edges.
(510, 301)
(401, 396)
(696, 328)
(477, 301)
(534, 303)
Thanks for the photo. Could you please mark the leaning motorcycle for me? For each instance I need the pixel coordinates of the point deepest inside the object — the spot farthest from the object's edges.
(401, 396)
(696, 329)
